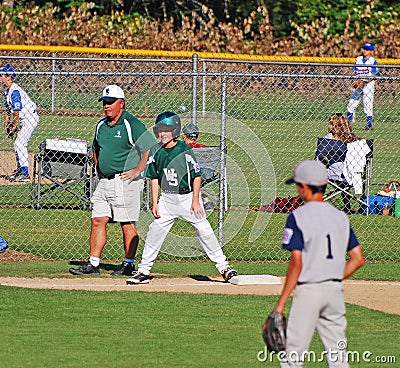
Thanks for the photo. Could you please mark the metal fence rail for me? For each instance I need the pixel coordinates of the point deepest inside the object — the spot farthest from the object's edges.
(267, 116)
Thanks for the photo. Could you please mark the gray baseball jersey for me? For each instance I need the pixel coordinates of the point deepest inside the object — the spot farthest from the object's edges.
(324, 247)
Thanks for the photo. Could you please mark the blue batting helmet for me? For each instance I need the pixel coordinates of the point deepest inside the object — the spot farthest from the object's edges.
(369, 46)
(168, 120)
(9, 70)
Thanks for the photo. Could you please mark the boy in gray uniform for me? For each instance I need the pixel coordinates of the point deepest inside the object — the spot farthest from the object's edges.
(318, 236)
(174, 169)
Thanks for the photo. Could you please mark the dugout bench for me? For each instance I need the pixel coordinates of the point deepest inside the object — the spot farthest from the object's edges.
(63, 175)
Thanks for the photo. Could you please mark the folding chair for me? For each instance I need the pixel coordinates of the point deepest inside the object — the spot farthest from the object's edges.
(209, 159)
(60, 167)
(349, 168)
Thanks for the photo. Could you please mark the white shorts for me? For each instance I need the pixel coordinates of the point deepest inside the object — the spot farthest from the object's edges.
(117, 199)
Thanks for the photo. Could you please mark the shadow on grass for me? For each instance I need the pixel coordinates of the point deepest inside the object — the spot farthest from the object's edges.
(103, 266)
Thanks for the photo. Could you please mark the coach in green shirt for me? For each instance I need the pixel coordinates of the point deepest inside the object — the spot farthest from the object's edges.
(120, 149)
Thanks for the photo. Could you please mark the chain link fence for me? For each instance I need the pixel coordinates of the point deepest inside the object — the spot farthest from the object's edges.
(266, 116)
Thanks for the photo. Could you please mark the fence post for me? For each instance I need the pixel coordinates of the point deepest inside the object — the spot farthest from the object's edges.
(195, 60)
(53, 83)
(222, 182)
(204, 88)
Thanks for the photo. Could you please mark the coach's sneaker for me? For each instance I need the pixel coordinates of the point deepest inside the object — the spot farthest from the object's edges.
(85, 269)
(138, 278)
(124, 269)
(228, 273)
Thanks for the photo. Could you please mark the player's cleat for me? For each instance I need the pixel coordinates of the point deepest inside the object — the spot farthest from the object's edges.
(85, 269)
(124, 269)
(12, 177)
(368, 127)
(228, 273)
(21, 178)
(138, 278)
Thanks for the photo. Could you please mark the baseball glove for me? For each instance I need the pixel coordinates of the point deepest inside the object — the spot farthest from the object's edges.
(274, 332)
(358, 84)
(11, 130)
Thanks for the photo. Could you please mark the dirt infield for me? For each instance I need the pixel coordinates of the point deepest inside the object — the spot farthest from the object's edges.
(378, 295)
(383, 296)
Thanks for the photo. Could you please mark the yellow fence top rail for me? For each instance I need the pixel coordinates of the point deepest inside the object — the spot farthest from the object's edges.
(188, 54)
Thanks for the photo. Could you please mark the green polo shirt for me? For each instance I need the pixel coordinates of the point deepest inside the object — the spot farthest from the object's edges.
(120, 147)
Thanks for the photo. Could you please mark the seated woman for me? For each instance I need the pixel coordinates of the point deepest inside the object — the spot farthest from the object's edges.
(333, 149)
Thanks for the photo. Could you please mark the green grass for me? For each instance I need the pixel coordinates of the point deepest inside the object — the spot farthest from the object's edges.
(258, 233)
(47, 328)
(51, 328)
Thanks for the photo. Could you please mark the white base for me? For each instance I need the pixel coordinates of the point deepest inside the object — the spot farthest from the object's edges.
(255, 280)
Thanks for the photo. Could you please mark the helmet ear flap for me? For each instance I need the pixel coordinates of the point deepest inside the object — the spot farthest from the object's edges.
(155, 130)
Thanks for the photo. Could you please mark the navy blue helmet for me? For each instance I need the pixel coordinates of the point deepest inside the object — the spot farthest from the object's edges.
(168, 120)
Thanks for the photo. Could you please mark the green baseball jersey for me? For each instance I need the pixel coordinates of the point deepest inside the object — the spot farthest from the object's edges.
(175, 168)
(120, 147)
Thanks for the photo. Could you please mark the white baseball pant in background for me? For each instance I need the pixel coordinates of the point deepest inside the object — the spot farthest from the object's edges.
(27, 125)
(368, 100)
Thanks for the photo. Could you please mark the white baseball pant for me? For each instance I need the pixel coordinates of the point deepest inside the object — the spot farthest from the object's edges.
(367, 97)
(172, 206)
(23, 137)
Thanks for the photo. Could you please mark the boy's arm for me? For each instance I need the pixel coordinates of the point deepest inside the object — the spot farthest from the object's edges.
(7, 116)
(355, 262)
(154, 197)
(196, 207)
(15, 118)
(292, 277)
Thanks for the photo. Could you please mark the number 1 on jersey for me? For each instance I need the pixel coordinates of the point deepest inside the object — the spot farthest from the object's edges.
(329, 256)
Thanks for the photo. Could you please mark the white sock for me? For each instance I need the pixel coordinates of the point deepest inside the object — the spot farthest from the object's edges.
(94, 261)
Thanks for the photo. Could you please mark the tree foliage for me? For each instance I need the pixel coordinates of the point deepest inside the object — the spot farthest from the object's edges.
(286, 27)
(284, 15)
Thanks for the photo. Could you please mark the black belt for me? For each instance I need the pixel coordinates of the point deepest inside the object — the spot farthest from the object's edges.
(109, 177)
(319, 282)
(179, 192)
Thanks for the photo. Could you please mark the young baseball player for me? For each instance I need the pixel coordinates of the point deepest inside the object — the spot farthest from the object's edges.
(21, 119)
(190, 135)
(174, 169)
(318, 236)
(365, 68)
